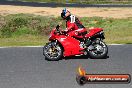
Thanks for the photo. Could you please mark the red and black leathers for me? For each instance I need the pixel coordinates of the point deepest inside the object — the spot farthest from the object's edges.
(74, 27)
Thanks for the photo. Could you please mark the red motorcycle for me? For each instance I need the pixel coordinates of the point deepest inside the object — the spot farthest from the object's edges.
(63, 45)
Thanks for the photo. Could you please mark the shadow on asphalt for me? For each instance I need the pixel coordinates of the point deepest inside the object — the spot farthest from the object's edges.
(81, 57)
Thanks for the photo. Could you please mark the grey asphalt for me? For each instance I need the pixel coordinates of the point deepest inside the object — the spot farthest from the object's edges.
(26, 68)
(36, 4)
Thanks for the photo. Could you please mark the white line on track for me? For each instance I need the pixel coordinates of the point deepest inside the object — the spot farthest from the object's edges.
(116, 44)
(42, 46)
(19, 46)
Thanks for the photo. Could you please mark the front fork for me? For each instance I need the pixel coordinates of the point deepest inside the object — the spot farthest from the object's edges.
(53, 43)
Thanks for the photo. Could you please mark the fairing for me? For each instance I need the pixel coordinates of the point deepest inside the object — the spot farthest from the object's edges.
(93, 32)
(70, 45)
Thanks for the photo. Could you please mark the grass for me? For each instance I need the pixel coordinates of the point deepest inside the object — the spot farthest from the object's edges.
(120, 31)
(28, 40)
(85, 1)
(27, 29)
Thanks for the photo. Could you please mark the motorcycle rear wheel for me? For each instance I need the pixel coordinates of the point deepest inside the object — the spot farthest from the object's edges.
(99, 49)
(52, 51)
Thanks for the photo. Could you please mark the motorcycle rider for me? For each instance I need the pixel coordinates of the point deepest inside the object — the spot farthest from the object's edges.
(74, 27)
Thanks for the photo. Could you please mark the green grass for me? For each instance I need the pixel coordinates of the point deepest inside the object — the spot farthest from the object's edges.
(27, 40)
(116, 30)
(27, 29)
(85, 1)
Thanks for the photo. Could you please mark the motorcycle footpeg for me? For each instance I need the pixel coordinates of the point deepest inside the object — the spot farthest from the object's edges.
(85, 53)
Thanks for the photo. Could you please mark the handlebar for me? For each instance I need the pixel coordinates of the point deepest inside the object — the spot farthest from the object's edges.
(58, 31)
(57, 28)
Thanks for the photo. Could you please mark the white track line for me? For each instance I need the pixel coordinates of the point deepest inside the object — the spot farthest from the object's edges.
(20, 46)
(42, 46)
(116, 44)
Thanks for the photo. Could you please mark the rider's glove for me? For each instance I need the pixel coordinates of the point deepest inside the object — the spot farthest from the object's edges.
(64, 32)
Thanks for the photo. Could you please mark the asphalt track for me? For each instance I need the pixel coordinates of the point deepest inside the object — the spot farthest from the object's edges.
(25, 67)
(35, 4)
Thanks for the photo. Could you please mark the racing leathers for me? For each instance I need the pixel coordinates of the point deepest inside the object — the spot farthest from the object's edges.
(74, 27)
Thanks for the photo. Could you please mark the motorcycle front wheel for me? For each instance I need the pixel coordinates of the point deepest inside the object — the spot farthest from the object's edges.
(98, 49)
(52, 51)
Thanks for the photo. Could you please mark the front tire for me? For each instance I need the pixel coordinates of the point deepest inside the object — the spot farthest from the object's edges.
(52, 51)
(98, 49)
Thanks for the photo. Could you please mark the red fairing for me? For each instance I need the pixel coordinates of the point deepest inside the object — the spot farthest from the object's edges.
(93, 31)
(52, 36)
(70, 45)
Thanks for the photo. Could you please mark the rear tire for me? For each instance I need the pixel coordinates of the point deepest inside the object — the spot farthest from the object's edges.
(49, 54)
(99, 50)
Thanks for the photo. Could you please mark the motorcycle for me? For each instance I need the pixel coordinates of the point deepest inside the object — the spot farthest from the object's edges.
(62, 45)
